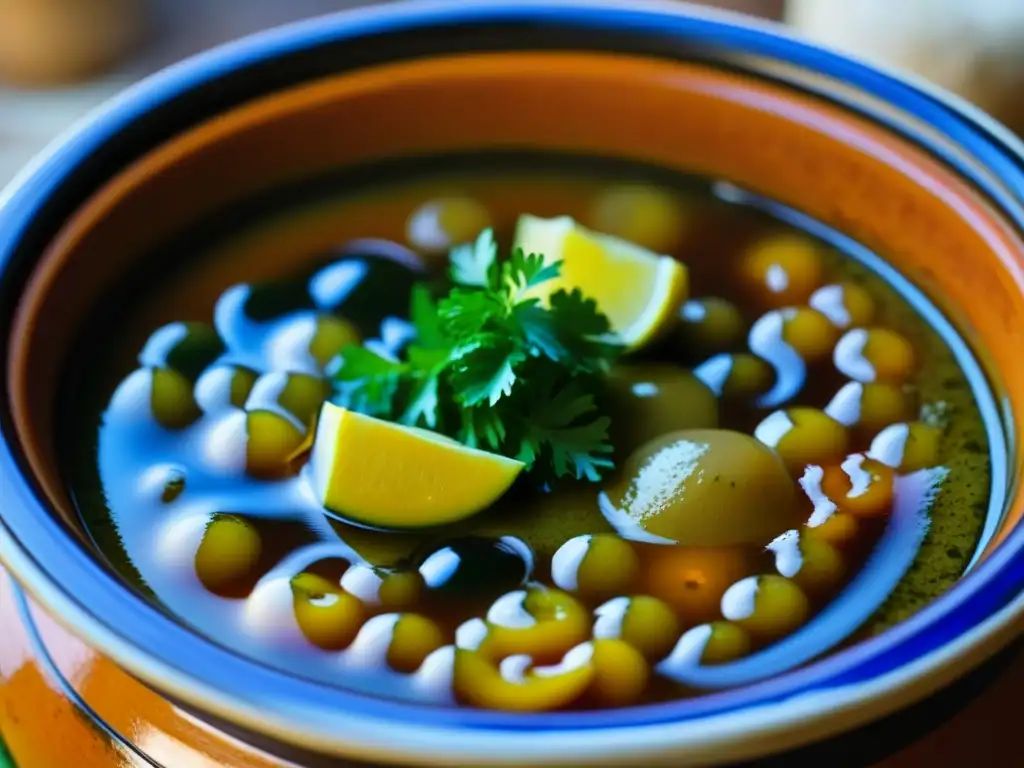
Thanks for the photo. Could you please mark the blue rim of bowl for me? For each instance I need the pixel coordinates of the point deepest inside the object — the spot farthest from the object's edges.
(167, 654)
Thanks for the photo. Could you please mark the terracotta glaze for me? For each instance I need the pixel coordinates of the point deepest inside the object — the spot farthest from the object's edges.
(90, 670)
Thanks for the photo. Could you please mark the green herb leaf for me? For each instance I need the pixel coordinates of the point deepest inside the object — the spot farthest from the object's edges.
(496, 367)
(475, 264)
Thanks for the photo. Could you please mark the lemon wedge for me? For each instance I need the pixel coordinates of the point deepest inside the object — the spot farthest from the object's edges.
(639, 291)
(393, 476)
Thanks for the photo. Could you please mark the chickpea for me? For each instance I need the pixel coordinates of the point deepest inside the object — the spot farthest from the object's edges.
(847, 305)
(652, 218)
(413, 639)
(480, 683)
(875, 354)
(228, 556)
(739, 376)
(646, 623)
(839, 530)
(621, 673)
(708, 326)
(693, 580)
(331, 336)
(272, 440)
(768, 607)
(821, 566)
(541, 623)
(808, 332)
(595, 566)
(860, 486)
(224, 386)
(727, 642)
(439, 224)
(186, 348)
(328, 616)
(171, 400)
(868, 407)
(907, 447)
(783, 269)
(803, 436)
(400, 590)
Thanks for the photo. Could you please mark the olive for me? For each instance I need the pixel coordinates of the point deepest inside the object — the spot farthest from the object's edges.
(621, 673)
(803, 436)
(869, 408)
(596, 566)
(907, 447)
(647, 401)
(372, 280)
(645, 622)
(328, 616)
(709, 326)
(228, 555)
(187, 348)
(267, 301)
(413, 638)
(650, 216)
(768, 607)
(847, 305)
(738, 375)
(271, 441)
(474, 566)
(702, 488)
(171, 400)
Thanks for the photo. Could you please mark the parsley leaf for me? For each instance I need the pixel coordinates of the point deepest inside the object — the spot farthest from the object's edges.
(475, 264)
(498, 363)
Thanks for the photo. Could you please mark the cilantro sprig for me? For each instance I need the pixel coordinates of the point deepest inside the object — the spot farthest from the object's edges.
(495, 367)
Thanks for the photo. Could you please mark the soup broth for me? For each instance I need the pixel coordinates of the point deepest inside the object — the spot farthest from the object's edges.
(798, 456)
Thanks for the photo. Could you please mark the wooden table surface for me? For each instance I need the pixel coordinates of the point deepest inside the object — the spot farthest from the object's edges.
(981, 735)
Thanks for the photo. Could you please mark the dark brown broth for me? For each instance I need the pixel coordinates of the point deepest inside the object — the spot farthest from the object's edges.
(287, 242)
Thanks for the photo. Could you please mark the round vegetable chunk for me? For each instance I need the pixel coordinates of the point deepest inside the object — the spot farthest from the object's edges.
(782, 269)
(272, 439)
(595, 566)
(646, 623)
(808, 332)
(514, 687)
(439, 224)
(649, 216)
(400, 590)
(768, 607)
(475, 566)
(296, 394)
(328, 616)
(186, 348)
(846, 304)
(650, 400)
(541, 623)
(875, 354)
(413, 638)
(860, 486)
(171, 400)
(907, 447)
(738, 376)
(704, 488)
(692, 580)
(708, 326)
(228, 555)
(620, 673)
(727, 642)
(803, 436)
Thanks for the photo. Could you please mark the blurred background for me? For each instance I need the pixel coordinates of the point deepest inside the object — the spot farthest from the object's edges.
(59, 58)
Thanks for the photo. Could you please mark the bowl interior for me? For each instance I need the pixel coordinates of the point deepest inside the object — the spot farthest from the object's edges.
(845, 171)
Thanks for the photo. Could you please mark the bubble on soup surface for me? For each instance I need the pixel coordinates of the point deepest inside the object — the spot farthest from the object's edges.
(703, 488)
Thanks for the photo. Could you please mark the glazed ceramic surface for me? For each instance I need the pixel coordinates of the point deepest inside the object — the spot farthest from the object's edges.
(906, 173)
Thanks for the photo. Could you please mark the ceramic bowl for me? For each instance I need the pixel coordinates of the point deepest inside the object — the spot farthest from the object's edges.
(907, 172)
